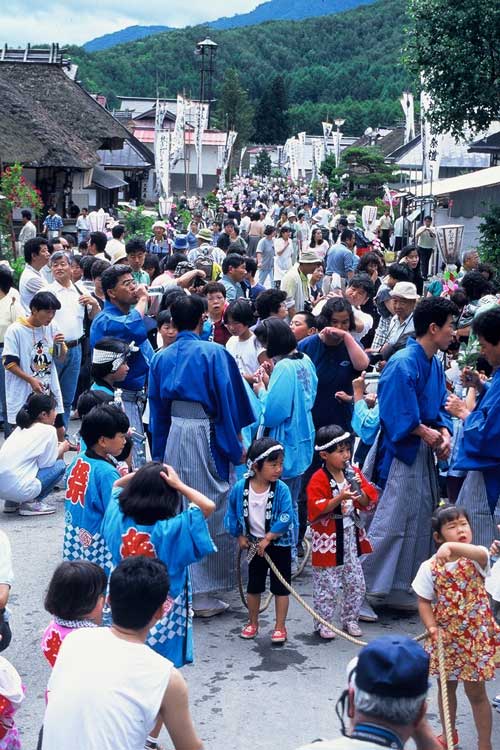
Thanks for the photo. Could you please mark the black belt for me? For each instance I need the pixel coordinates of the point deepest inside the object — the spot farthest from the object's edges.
(72, 344)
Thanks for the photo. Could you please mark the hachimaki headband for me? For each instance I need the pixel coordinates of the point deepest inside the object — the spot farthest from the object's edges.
(250, 472)
(103, 356)
(335, 441)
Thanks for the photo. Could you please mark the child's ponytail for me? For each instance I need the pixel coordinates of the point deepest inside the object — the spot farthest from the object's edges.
(36, 404)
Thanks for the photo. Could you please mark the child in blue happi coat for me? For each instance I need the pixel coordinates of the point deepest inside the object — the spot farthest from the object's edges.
(260, 511)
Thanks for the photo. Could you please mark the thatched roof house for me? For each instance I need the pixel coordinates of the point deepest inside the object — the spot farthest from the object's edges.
(48, 120)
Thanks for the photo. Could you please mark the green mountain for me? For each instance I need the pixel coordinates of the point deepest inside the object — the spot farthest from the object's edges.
(344, 65)
(273, 10)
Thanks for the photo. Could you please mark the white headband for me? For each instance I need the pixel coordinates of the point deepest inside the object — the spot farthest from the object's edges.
(340, 439)
(266, 453)
(103, 356)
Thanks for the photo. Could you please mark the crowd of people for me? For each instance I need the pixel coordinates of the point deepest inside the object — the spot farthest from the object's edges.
(268, 373)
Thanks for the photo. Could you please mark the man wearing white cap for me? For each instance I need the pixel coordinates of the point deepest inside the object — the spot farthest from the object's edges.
(159, 244)
(295, 282)
(404, 298)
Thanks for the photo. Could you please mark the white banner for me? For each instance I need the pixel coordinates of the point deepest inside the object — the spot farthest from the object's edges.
(293, 156)
(327, 131)
(177, 145)
(302, 153)
(369, 217)
(432, 142)
(242, 154)
(162, 151)
(231, 137)
(200, 125)
(337, 137)
(406, 102)
(317, 152)
(388, 200)
(220, 165)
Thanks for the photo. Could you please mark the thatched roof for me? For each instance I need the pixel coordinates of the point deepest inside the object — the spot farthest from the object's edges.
(48, 120)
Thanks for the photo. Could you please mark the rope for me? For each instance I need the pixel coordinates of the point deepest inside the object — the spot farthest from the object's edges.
(269, 598)
(443, 677)
(346, 636)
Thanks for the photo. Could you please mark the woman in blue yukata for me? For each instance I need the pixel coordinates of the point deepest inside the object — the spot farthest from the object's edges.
(143, 518)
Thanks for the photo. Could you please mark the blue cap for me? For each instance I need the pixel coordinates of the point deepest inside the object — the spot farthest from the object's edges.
(393, 666)
(180, 242)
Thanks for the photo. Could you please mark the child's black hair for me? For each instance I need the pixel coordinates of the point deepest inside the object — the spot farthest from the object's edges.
(36, 404)
(240, 311)
(147, 498)
(74, 589)
(325, 434)
(88, 399)
(163, 318)
(260, 446)
(103, 421)
(446, 513)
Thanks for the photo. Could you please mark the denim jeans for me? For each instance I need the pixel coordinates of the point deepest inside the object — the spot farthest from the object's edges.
(264, 274)
(68, 372)
(49, 477)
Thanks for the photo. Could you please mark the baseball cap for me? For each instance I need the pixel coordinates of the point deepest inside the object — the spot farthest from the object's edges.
(394, 667)
(404, 289)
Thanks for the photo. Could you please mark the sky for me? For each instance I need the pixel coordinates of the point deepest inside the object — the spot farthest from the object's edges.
(76, 22)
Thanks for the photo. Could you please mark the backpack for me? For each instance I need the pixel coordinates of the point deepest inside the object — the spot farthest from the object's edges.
(205, 263)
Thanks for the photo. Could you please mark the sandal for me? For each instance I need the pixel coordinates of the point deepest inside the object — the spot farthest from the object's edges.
(442, 739)
(353, 629)
(279, 636)
(249, 632)
(326, 634)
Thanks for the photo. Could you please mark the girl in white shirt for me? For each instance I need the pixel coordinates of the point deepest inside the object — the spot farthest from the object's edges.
(243, 345)
(31, 458)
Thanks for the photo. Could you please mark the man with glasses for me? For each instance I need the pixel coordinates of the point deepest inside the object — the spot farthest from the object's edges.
(69, 319)
(123, 318)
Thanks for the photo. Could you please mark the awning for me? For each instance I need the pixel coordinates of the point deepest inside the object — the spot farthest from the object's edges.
(107, 180)
(481, 178)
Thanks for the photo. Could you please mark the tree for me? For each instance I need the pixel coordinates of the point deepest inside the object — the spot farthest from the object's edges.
(489, 246)
(263, 164)
(366, 174)
(234, 110)
(271, 116)
(456, 45)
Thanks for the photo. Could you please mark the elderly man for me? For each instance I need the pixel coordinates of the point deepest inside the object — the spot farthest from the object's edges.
(404, 298)
(69, 319)
(159, 244)
(385, 700)
(470, 261)
(296, 283)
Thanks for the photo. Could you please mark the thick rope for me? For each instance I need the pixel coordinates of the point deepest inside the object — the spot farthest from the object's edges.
(443, 679)
(352, 639)
(269, 597)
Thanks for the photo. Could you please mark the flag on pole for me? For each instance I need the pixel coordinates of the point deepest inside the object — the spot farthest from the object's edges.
(200, 125)
(302, 153)
(406, 102)
(327, 131)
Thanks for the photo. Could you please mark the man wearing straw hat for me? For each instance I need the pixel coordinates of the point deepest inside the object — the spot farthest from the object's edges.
(296, 283)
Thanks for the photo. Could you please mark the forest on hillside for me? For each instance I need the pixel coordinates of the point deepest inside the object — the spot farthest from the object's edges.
(345, 65)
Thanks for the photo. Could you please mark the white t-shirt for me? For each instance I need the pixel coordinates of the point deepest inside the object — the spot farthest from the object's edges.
(423, 584)
(257, 502)
(367, 321)
(246, 353)
(21, 456)
(104, 693)
(34, 348)
(69, 319)
(283, 262)
(6, 570)
(30, 283)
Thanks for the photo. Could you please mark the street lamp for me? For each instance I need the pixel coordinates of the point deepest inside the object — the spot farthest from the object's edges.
(338, 122)
(207, 51)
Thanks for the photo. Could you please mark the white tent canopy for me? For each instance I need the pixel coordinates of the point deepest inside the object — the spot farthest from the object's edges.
(471, 181)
